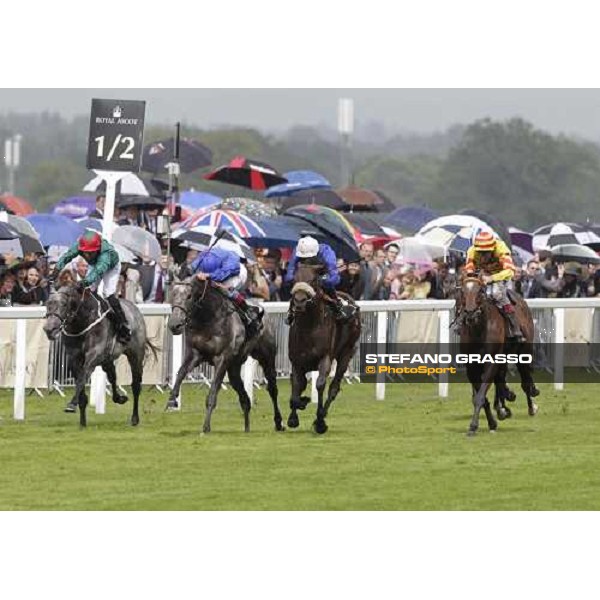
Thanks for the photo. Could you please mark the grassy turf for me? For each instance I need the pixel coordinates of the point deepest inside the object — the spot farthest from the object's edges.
(409, 452)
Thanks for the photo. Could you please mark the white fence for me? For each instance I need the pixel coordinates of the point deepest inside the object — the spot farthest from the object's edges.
(379, 325)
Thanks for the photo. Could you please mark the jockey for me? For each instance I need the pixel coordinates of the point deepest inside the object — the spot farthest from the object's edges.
(309, 251)
(224, 269)
(105, 266)
(492, 259)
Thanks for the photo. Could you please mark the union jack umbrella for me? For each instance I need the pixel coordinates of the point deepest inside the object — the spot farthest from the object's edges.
(247, 173)
(231, 221)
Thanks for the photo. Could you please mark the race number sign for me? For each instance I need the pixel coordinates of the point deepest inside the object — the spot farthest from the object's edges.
(116, 135)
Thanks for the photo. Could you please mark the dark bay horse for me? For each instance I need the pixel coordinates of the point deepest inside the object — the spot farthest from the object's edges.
(317, 339)
(484, 332)
(89, 337)
(215, 334)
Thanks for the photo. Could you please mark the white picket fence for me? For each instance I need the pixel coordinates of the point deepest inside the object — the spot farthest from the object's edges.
(376, 312)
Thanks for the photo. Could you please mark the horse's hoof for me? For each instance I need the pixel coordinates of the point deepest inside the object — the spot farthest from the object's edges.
(508, 413)
(471, 432)
(502, 414)
(533, 410)
(320, 427)
(493, 430)
(135, 421)
(293, 421)
(172, 405)
(534, 392)
(120, 399)
(304, 402)
(279, 427)
(511, 396)
(206, 429)
(70, 408)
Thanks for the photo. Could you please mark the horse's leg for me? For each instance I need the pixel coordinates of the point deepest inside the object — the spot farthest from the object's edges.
(266, 359)
(215, 386)
(336, 382)
(136, 362)
(237, 383)
(480, 401)
(528, 386)
(76, 367)
(319, 424)
(190, 361)
(111, 373)
(299, 383)
(82, 400)
(500, 391)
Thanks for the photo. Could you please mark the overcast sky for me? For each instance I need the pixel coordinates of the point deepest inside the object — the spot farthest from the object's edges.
(572, 111)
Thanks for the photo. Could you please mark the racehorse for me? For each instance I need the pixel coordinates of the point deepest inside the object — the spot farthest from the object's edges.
(90, 341)
(484, 332)
(216, 334)
(317, 339)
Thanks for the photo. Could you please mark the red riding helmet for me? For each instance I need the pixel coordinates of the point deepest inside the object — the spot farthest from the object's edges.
(90, 241)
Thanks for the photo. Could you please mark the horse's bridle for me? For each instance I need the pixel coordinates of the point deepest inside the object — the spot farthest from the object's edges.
(64, 321)
(195, 303)
(477, 312)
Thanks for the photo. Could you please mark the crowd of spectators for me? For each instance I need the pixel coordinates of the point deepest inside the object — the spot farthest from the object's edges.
(377, 275)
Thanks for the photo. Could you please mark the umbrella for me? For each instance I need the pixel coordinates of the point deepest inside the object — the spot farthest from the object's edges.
(249, 207)
(366, 226)
(192, 155)
(143, 202)
(409, 218)
(360, 199)
(16, 206)
(21, 246)
(75, 207)
(555, 234)
(321, 197)
(247, 173)
(454, 232)
(330, 222)
(418, 252)
(56, 230)
(575, 253)
(229, 220)
(521, 239)
(278, 231)
(204, 237)
(139, 241)
(494, 222)
(21, 225)
(129, 185)
(297, 181)
(197, 200)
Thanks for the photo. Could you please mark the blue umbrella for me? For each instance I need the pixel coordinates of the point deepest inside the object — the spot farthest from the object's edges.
(91, 223)
(297, 181)
(75, 207)
(278, 233)
(55, 230)
(196, 200)
(410, 218)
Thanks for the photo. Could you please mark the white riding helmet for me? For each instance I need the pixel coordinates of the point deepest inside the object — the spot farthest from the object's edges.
(307, 247)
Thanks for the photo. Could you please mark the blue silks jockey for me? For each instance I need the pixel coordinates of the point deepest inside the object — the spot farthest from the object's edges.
(224, 269)
(310, 251)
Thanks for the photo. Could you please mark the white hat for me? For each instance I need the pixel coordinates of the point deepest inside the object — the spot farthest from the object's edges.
(307, 247)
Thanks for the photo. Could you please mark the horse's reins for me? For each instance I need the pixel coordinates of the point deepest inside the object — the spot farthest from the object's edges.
(195, 303)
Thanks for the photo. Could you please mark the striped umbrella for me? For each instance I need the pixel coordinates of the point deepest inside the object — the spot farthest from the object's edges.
(234, 222)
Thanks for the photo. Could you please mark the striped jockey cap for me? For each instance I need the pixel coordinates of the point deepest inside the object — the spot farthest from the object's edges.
(484, 241)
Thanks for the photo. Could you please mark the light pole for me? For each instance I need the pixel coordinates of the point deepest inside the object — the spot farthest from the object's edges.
(12, 159)
(345, 129)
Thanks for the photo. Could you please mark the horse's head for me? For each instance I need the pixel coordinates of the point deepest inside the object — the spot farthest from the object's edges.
(181, 303)
(471, 299)
(306, 285)
(61, 307)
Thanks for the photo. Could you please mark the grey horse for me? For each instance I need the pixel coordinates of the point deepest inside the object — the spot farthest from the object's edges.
(215, 334)
(90, 341)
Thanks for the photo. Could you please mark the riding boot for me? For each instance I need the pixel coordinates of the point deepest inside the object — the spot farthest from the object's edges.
(514, 331)
(339, 306)
(251, 315)
(121, 325)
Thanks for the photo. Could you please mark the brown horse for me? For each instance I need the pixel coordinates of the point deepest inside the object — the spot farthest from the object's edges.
(484, 332)
(317, 339)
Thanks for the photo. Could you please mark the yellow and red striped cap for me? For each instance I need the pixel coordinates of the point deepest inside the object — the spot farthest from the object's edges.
(484, 241)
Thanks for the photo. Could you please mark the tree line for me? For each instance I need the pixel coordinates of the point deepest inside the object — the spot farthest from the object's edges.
(509, 168)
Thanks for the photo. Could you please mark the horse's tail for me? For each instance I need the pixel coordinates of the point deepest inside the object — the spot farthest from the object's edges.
(149, 347)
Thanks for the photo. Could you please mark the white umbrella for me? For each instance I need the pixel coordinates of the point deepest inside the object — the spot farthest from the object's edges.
(139, 241)
(130, 185)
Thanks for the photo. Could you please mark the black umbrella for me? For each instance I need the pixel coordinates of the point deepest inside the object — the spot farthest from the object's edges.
(248, 173)
(7, 232)
(321, 197)
(575, 253)
(143, 202)
(192, 155)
